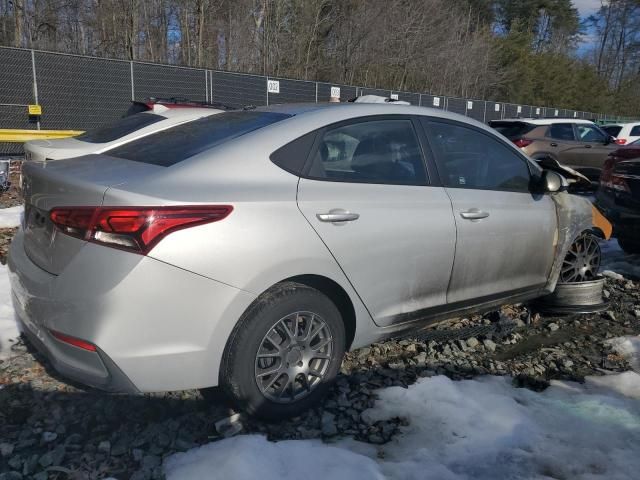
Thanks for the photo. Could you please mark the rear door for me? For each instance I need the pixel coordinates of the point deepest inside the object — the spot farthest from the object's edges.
(505, 235)
(369, 197)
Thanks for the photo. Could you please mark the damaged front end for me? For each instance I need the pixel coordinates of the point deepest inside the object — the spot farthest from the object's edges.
(577, 217)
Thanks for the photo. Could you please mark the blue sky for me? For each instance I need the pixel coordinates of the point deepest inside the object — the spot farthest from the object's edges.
(586, 8)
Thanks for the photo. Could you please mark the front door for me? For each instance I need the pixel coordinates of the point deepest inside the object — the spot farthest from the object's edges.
(368, 197)
(505, 235)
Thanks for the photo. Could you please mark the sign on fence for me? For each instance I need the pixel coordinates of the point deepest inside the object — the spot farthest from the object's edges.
(436, 101)
(335, 92)
(273, 86)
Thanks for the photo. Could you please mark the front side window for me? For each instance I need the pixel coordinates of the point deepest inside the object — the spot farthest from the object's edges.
(562, 131)
(183, 141)
(590, 133)
(379, 151)
(120, 128)
(467, 158)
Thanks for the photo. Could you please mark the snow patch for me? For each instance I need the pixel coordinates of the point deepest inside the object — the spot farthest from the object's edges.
(8, 327)
(10, 217)
(472, 429)
(629, 348)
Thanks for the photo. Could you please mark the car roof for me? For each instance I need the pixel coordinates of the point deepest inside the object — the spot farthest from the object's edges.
(545, 121)
(348, 110)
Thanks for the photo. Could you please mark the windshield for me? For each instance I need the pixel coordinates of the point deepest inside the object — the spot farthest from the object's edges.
(176, 144)
(120, 128)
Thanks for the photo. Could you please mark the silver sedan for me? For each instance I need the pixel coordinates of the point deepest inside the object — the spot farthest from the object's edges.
(251, 249)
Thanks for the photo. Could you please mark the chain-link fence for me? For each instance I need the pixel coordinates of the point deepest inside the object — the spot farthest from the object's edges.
(80, 93)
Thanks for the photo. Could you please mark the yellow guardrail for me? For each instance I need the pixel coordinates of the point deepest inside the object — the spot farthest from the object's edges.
(19, 136)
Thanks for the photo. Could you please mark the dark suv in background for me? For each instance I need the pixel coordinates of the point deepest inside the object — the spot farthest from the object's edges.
(579, 144)
(618, 195)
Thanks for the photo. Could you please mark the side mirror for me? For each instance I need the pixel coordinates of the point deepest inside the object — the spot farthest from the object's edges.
(553, 182)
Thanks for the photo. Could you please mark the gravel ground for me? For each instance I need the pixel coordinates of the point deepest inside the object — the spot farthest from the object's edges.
(51, 429)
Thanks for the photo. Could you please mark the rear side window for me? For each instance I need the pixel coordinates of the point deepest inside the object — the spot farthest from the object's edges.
(293, 155)
(562, 131)
(119, 129)
(176, 144)
(635, 131)
(613, 130)
(378, 151)
(512, 130)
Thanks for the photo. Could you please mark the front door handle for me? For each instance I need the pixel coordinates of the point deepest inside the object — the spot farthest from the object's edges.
(337, 216)
(474, 214)
(553, 144)
(587, 146)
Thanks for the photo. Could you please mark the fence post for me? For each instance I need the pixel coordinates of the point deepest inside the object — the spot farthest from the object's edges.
(316, 92)
(206, 85)
(35, 83)
(419, 99)
(267, 86)
(484, 113)
(133, 90)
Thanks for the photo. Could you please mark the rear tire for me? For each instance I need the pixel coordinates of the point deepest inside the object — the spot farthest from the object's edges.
(629, 245)
(284, 353)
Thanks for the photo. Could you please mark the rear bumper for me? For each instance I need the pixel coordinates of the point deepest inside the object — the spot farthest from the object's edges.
(156, 327)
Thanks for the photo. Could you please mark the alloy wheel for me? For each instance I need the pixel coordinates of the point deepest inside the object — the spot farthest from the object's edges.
(582, 261)
(293, 357)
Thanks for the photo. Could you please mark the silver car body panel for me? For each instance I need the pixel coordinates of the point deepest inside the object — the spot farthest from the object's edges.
(161, 321)
(42, 150)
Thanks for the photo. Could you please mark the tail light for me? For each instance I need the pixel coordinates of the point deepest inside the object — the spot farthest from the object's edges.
(609, 179)
(522, 142)
(621, 141)
(136, 229)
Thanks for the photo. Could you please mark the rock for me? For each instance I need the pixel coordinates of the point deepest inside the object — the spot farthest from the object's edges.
(328, 422)
(11, 476)
(567, 364)
(137, 454)
(6, 449)
(48, 437)
(489, 345)
(230, 426)
(375, 438)
(150, 462)
(105, 447)
(41, 476)
(553, 327)
(46, 460)
(472, 342)
(611, 315)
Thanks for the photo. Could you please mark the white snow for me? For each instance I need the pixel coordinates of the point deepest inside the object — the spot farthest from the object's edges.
(615, 261)
(8, 326)
(10, 217)
(472, 429)
(628, 348)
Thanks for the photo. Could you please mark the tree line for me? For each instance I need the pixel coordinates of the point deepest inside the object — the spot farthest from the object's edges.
(520, 51)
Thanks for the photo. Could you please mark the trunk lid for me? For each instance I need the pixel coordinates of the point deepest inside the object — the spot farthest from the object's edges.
(80, 181)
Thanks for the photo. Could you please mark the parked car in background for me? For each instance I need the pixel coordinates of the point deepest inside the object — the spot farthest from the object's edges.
(579, 144)
(618, 195)
(251, 249)
(625, 133)
(120, 132)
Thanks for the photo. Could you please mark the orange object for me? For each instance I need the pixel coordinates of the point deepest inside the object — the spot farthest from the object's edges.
(600, 221)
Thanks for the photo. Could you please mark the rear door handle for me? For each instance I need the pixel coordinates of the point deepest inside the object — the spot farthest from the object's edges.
(337, 216)
(474, 214)
(553, 144)
(587, 146)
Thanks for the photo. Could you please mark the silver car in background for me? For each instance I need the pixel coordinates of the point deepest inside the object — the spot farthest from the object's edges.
(251, 249)
(122, 131)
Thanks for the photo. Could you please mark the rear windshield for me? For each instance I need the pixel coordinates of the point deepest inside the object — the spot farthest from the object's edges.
(119, 129)
(512, 130)
(635, 131)
(176, 144)
(612, 130)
